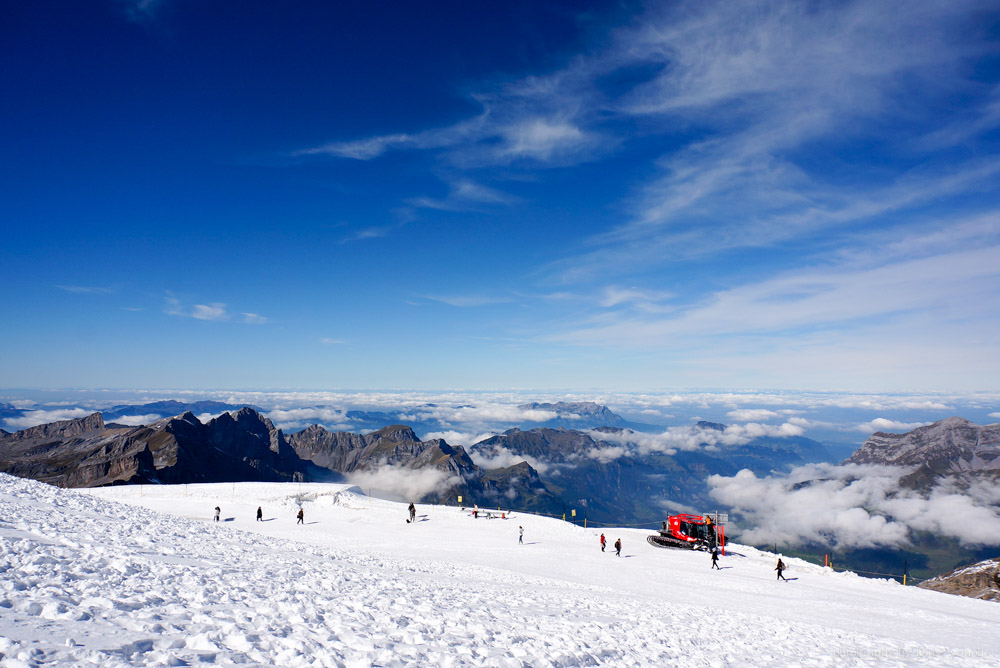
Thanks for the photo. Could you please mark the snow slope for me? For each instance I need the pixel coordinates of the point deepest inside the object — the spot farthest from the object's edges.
(143, 576)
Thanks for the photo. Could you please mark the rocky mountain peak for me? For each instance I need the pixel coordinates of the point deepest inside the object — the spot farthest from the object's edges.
(250, 419)
(396, 432)
(189, 417)
(952, 447)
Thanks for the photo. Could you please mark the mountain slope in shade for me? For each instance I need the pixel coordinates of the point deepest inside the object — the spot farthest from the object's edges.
(85, 452)
(604, 482)
(399, 446)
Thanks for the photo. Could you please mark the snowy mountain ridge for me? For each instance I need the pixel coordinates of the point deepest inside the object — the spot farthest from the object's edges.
(141, 575)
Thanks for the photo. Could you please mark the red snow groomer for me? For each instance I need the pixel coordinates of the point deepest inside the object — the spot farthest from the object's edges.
(693, 532)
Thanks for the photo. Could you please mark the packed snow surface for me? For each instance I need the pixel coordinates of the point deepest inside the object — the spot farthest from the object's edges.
(143, 576)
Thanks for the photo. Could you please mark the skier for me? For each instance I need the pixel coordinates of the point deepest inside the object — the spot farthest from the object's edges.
(604, 543)
(520, 537)
(260, 514)
(618, 547)
(413, 513)
(218, 511)
(780, 567)
(301, 516)
(715, 558)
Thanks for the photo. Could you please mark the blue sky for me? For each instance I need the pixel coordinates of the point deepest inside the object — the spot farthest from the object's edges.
(500, 195)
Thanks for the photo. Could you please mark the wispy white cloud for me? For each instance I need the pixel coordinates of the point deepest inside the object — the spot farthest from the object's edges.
(371, 232)
(254, 319)
(467, 301)
(86, 289)
(464, 195)
(361, 149)
(645, 300)
(327, 341)
(216, 311)
(947, 298)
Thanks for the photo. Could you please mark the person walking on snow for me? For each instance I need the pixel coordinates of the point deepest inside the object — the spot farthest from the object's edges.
(520, 537)
(413, 512)
(218, 511)
(780, 567)
(715, 558)
(301, 516)
(604, 543)
(618, 547)
(260, 514)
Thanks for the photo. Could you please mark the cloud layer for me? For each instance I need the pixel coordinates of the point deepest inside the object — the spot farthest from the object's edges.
(403, 484)
(855, 506)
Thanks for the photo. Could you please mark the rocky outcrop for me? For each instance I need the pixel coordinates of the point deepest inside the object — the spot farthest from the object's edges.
(980, 581)
(87, 453)
(63, 429)
(953, 448)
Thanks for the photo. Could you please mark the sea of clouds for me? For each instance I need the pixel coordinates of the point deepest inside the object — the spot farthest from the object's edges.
(856, 506)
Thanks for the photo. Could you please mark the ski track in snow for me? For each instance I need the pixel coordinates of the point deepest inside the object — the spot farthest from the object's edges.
(150, 580)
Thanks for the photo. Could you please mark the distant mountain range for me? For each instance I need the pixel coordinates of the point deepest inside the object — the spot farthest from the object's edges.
(584, 415)
(566, 415)
(550, 470)
(608, 473)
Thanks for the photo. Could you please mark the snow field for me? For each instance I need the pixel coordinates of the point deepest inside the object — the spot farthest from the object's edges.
(142, 576)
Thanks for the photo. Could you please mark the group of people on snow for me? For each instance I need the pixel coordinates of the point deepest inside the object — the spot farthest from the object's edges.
(300, 519)
(300, 516)
(618, 545)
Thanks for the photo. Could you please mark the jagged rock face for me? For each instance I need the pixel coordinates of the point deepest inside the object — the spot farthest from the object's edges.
(62, 429)
(980, 581)
(552, 445)
(397, 445)
(86, 453)
(73, 453)
(954, 448)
